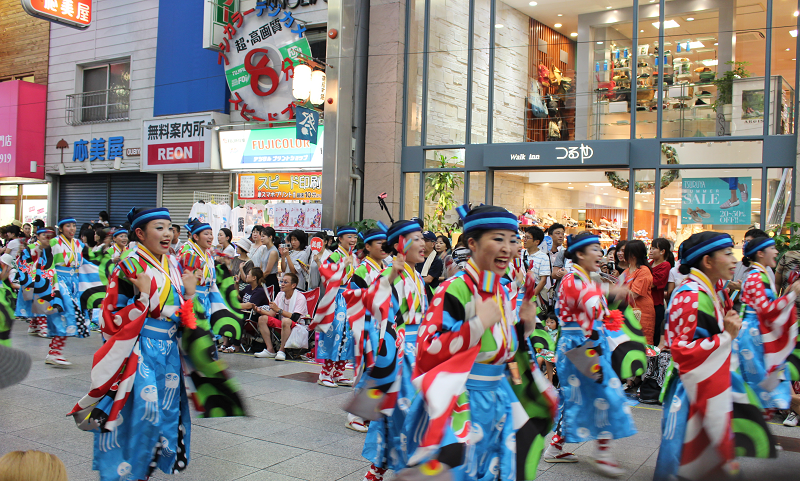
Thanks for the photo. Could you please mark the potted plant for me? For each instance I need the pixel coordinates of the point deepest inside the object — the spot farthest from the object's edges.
(443, 186)
(724, 86)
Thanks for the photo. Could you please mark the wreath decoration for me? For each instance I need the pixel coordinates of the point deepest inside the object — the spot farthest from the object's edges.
(670, 176)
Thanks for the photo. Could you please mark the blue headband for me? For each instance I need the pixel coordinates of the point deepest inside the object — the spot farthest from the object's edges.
(573, 246)
(373, 235)
(67, 221)
(757, 244)
(403, 227)
(138, 219)
(194, 226)
(118, 232)
(44, 230)
(345, 229)
(690, 254)
(487, 220)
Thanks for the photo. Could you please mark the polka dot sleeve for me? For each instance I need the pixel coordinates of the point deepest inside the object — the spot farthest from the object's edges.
(754, 294)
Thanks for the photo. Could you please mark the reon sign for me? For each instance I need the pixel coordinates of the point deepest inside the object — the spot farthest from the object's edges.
(175, 153)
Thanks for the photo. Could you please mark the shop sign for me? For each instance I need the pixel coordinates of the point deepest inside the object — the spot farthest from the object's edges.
(72, 13)
(281, 186)
(216, 15)
(259, 51)
(554, 154)
(176, 143)
(269, 149)
(719, 201)
(22, 129)
(95, 149)
(133, 152)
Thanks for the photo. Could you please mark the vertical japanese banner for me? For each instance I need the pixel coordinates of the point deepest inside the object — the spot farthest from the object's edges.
(712, 200)
(307, 123)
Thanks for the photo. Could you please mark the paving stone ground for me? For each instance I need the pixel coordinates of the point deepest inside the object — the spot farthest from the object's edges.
(295, 430)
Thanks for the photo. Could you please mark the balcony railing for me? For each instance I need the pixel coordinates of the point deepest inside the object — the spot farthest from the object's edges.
(99, 106)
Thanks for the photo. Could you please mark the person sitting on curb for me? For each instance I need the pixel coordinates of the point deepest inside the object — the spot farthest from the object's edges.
(283, 313)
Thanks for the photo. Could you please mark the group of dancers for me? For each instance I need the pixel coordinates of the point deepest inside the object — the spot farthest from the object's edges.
(450, 389)
(446, 388)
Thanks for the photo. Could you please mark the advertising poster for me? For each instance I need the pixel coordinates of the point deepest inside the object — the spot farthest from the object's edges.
(269, 149)
(281, 186)
(291, 216)
(712, 200)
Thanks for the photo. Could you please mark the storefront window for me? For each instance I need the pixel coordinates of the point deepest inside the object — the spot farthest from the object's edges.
(444, 191)
(444, 159)
(644, 205)
(9, 189)
(411, 195)
(35, 189)
(589, 202)
(477, 188)
(783, 66)
(415, 47)
(688, 153)
(448, 47)
(779, 197)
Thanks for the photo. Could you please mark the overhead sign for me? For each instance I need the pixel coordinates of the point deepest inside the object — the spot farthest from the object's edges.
(271, 149)
(22, 129)
(259, 50)
(715, 200)
(176, 143)
(553, 154)
(72, 13)
(281, 186)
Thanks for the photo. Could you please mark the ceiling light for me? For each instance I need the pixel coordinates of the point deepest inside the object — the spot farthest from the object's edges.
(570, 187)
(641, 31)
(696, 44)
(672, 198)
(716, 43)
(600, 184)
(605, 193)
(499, 25)
(575, 34)
(608, 8)
(533, 4)
(788, 49)
(667, 24)
(600, 43)
(558, 25)
(652, 1)
(793, 33)
(756, 199)
(796, 13)
(560, 14)
(690, 19)
(794, 59)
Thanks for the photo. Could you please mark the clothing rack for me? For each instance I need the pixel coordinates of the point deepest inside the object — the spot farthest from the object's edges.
(211, 197)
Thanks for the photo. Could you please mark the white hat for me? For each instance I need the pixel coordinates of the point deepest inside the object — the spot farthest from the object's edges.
(244, 244)
(8, 260)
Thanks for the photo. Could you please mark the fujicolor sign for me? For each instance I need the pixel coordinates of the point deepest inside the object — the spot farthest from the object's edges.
(72, 13)
(176, 143)
(269, 149)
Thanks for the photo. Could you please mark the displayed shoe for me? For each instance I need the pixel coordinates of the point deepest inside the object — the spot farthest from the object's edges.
(728, 204)
(702, 213)
(326, 383)
(700, 102)
(744, 193)
(555, 455)
(693, 214)
(265, 354)
(791, 420)
(280, 356)
(344, 382)
(56, 360)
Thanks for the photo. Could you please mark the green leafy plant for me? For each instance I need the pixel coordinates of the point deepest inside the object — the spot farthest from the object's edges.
(442, 189)
(787, 237)
(724, 83)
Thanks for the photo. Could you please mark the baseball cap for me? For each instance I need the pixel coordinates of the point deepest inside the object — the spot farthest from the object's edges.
(429, 236)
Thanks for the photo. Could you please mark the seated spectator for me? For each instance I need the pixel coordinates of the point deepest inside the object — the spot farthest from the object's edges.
(289, 306)
(253, 296)
(32, 466)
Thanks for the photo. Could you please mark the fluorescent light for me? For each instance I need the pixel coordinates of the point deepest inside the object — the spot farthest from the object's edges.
(533, 4)
(608, 8)
(793, 33)
(667, 24)
(570, 187)
(641, 31)
(560, 14)
(672, 198)
(599, 43)
(575, 34)
(696, 44)
(756, 199)
(558, 25)
(600, 184)
(605, 193)
(499, 25)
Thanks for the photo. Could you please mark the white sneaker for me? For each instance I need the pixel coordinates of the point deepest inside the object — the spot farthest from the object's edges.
(56, 360)
(554, 455)
(265, 353)
(728, 204)
(280, 356)
(791, 420)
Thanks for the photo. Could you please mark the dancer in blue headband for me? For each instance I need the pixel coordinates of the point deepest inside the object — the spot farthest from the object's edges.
(769, 327)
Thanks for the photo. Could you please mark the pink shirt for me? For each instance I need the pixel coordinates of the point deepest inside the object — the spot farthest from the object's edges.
(297, 304)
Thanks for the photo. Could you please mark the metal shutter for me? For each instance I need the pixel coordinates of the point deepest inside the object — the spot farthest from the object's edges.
(82, 196)
(131, 190)
(178, 193)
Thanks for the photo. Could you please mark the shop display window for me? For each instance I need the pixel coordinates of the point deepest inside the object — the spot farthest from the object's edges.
(411, 195)
(588, 202)
(779, 197)
(444, 191)
(644, 205)
(688, 153)
(783, 66)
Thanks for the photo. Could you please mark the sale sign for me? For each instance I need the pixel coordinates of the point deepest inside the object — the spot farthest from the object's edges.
(72, 13)
(259, 51)
(281, 186)
(716, 200)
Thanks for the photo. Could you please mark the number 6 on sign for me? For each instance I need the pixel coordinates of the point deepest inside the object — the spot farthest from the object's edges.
(259, 69)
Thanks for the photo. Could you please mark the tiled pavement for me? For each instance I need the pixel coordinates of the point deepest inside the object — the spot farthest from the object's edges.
(295, 430)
